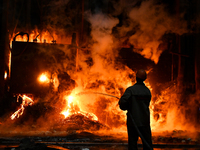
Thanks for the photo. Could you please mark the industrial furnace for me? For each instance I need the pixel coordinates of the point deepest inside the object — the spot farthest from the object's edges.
(35, 66)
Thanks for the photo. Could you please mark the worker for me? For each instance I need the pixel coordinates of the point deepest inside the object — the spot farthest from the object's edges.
(136, 100)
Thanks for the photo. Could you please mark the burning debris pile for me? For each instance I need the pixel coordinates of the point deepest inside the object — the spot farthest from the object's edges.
(71, 119)
(79, 122)
(69, 77)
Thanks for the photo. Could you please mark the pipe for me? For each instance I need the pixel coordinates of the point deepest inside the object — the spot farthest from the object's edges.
(97, 93)
(14, 39)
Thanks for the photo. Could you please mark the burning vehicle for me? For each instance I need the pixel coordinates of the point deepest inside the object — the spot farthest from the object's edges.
(64, 79)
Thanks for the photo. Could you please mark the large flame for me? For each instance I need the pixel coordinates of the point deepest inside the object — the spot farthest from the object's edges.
(100, 79)
(99, 68)
(73, 107)
(110, 81)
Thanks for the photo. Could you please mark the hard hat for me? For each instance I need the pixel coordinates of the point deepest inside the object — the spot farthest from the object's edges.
(141, 74)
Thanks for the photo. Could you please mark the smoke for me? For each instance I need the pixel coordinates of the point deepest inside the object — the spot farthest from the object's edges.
(62, 18)
(102, 25)
(143, 23)
(151, 21)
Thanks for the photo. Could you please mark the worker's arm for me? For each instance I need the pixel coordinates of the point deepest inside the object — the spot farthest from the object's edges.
(124, 100)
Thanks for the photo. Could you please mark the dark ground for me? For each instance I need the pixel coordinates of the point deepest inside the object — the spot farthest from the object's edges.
(90, 141)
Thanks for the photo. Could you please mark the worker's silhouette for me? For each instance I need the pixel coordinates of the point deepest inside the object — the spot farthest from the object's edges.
(136, 100)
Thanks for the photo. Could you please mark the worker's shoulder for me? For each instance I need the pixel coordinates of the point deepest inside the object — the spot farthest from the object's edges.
(139, 86)
(136, 85)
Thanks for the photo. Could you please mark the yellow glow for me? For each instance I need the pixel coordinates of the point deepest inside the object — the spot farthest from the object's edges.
(5, 75)
(70, 109)
(66, 113)
(70, 99)
(44, 78)
(9, 63)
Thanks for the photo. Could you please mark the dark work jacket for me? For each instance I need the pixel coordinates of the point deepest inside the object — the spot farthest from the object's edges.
(136, 100)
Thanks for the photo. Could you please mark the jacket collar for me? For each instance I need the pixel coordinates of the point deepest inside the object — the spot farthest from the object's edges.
(140, 83)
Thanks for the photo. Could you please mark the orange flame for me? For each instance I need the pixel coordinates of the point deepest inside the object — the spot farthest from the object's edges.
(42, 37)
(73, 108)
(5, 75)
(25, 102)
(44, 78)
(47, 78)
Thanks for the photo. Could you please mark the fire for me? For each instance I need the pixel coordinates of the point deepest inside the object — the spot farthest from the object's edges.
(120, 79)
(44, 78)
(47, 78)
(73, 108)
(25, 102)
(5, 75)
(70, 99)
(98, 67)
(40, 37)
(9, 63)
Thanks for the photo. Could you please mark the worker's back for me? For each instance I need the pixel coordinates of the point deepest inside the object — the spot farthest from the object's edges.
(139, 104)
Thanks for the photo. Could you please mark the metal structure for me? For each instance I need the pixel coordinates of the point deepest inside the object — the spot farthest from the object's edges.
(30, 59)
